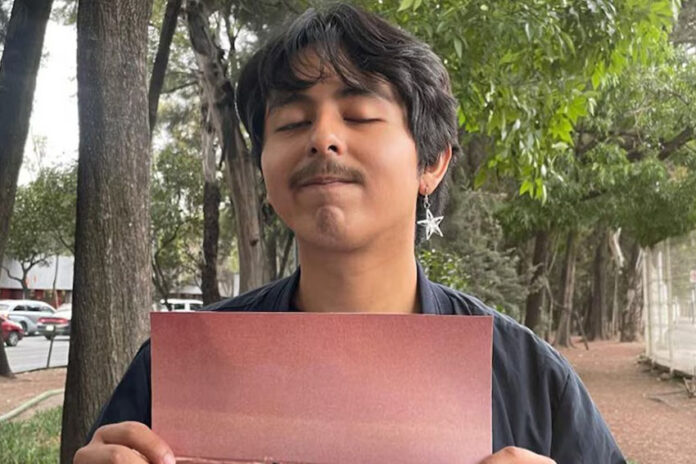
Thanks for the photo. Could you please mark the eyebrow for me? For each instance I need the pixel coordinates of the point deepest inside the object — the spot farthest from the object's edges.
(287, 98)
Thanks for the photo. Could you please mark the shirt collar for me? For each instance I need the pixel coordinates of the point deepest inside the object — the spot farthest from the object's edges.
(431, 297)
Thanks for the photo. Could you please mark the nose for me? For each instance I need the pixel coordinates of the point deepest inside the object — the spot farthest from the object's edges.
(326, 137)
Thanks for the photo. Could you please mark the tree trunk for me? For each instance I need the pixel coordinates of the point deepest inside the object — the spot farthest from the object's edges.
(632, 313)
(211, 232)
(535, 298)
(112, 283)
(568, 287)
(22, 280)
(18, 68)
(159, 67)
(242, 172)
(211, 206)
(597, 317)
(55, 281)
(5, 369)
(162, 284)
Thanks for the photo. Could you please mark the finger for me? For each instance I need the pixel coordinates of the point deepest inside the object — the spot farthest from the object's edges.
(514, 455)
(138, 437)
(101, 453)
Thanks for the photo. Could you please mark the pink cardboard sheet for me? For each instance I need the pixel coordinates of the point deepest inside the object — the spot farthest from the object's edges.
(322, 388)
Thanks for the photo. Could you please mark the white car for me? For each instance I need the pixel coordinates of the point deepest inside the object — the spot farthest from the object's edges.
(26, 313)
(181, 304)
(58, 324)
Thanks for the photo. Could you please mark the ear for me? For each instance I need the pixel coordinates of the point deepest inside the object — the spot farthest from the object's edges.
(432, 175)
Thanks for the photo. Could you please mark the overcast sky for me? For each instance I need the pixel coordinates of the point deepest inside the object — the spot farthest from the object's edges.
(54, 114)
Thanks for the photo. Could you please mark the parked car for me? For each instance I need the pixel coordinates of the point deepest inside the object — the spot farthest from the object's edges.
(12, 332)
(181, 304)
(26, 313)
(57, 324)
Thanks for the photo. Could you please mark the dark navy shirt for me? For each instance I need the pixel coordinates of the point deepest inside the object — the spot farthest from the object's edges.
(539, 403)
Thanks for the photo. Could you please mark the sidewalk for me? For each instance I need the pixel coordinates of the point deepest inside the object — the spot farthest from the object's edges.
(27, 385)
(653, 421)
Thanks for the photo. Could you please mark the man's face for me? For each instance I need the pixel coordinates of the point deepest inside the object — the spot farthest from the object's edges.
(340, 164)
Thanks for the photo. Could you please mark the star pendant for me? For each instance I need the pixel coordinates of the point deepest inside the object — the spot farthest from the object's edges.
(431, 224)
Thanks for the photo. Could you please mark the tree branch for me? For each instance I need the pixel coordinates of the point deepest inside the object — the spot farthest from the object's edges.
(179, 87)
(159, 68)
(18, 279)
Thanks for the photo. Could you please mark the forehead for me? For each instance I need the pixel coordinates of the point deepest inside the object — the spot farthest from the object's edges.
(308, 69)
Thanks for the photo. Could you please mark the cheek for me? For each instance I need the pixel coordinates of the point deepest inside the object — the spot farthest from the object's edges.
(271, 176)
(398, 165)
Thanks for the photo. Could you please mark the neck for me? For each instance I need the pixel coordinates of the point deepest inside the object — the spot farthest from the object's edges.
(365, 282)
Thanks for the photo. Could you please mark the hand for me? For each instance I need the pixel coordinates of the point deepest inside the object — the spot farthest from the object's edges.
(125, 443)
(512, 455)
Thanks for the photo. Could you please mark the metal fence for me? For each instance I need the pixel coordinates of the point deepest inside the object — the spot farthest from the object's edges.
(669, 277)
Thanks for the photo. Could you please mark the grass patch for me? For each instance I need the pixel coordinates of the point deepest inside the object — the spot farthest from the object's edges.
(35, 440)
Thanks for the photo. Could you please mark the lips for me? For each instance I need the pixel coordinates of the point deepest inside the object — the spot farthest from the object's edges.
(325, 180)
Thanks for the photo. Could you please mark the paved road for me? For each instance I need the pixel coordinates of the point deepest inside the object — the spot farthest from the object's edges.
(32, 352)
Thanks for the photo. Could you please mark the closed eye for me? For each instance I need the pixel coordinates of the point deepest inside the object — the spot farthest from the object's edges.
(293, 125)
(299, 124)
(362, 121)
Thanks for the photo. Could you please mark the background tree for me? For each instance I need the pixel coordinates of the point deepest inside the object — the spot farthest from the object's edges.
(43, 222)
(159, 66)
(258, 232)
(56, 192)
(112, 281)
(28, 242)
(242, 173)
(524, 72)
(21, 55)
(4, 18)
(177, 219)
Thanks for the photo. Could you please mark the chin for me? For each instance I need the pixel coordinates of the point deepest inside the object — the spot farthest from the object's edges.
(329, 231)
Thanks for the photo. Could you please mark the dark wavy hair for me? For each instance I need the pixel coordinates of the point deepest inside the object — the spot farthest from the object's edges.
(360, 47)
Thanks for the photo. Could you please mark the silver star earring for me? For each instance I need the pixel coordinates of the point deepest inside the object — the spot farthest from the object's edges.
(431, 223)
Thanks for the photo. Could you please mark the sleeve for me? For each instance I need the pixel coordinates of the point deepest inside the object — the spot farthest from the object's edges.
(580, 435)
(131, 399)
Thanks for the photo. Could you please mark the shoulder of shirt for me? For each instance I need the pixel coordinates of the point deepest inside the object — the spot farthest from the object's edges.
(251, 300)
(510, 337)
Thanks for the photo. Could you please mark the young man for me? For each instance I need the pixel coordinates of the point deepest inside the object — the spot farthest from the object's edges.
(354, 125)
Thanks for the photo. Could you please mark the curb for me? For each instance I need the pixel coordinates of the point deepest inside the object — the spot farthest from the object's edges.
(32, 402)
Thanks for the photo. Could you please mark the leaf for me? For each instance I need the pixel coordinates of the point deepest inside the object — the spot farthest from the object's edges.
(461, 117)
(598, 75)
(457, 46)
(527, 187)
(481, 177)
(405, 5)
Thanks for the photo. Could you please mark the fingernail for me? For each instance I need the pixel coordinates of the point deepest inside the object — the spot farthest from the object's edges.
(169, 459)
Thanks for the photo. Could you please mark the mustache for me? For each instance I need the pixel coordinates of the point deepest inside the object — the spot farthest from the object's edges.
(328, 168)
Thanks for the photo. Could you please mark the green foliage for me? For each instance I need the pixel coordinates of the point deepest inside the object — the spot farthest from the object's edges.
(525, 72)
(444, 267)
(28, 241)
(35, 440)
(633, 160)
(56, 189)
(43, 220)
(177, 216)
(64, 11)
